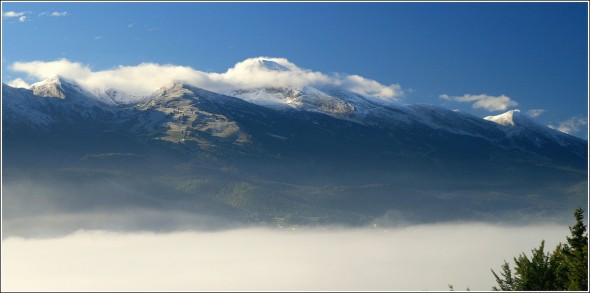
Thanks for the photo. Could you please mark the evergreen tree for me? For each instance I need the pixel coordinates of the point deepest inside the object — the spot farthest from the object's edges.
(576, 255)
(536, 273)
(506, 283)
(566, 268)
(560, 271)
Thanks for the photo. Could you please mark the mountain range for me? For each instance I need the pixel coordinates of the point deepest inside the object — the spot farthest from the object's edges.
(279, 155)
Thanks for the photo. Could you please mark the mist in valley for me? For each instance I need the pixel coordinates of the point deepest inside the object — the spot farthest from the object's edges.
(55, 239)
(414, 257)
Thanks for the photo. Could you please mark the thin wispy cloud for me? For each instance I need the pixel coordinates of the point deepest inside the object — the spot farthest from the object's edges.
(98, 37)
(535, 112)
(58, 14)
(131, 25)
(54, 13)
(571, 125)
(247, 74)
(483, 101)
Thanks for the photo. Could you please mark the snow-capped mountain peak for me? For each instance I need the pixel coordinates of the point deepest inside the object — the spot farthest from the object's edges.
(517, 123)
(507, 119)
(55, 79)
(173, 89)
(58, 87)
(271, 65)
(52, 87)
(262, 65)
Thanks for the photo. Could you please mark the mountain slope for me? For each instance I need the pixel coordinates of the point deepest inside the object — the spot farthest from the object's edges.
(52, 102)
(186, 148)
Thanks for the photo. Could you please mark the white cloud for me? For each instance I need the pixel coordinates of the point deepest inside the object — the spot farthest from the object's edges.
(58, 14)
(445, 97)
(131, 25)
(487, 102)
(367, 87)
(13, 14)
(422, 257)
(98, 37)
(535, 112)
(570, 126)
(248, 74)
(20, 15)
(19, 82)
(42, 70)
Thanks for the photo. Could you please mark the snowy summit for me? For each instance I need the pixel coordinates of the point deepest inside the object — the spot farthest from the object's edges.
(506, 119)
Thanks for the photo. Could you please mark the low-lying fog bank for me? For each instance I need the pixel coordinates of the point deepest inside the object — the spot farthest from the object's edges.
(416, 257)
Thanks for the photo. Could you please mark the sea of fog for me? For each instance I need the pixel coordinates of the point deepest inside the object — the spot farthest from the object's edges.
(416, 257)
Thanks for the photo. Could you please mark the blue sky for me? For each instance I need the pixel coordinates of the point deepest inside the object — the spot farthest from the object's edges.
(534, 54)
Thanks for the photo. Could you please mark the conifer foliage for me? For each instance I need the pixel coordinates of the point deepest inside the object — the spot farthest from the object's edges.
(566, 268)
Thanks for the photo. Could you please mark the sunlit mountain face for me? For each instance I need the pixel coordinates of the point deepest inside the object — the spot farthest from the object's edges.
(287, 155)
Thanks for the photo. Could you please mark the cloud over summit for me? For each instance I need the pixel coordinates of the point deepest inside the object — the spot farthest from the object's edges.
(248, 74)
